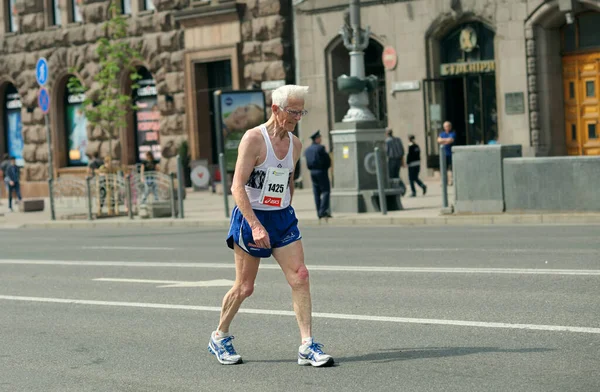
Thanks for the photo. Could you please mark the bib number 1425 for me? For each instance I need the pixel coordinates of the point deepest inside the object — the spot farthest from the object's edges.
(277, 188)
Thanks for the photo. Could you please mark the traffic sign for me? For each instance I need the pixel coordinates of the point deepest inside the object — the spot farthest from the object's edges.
(389, 58)
(41, 71)
(44, 100)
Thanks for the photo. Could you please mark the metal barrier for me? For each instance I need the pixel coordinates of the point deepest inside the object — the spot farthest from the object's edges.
(107, 195)
(69, 197)
(153, 194)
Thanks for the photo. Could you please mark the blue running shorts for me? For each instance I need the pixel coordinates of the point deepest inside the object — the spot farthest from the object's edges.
(281, 225)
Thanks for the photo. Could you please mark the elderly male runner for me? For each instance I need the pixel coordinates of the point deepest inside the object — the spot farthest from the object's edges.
(263, 223)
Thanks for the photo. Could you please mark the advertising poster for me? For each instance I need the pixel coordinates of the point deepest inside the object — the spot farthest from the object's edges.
(14, 128)
(76, 124)
(240, 111)
(147, 119)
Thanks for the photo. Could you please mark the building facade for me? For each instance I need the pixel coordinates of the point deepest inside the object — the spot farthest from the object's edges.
(189, 50)
(514, 71)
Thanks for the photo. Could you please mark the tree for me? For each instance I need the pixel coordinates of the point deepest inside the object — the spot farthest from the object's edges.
(107, 108)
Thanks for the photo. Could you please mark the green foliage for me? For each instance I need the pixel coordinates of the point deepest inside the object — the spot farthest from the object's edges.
(109, 107)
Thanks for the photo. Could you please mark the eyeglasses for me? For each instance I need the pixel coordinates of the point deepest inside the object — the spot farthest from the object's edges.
(295, 113)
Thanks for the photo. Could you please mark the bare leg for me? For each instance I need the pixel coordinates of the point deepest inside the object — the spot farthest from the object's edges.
(246, 268)
(291, 260)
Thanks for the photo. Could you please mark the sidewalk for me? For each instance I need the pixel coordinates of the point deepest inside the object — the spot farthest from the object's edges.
(205, 208)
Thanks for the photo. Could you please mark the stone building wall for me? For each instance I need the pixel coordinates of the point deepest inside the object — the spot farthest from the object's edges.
(154, 33)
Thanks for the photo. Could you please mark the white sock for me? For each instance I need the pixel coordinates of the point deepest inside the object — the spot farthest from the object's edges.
(221, 335)
(307, 341)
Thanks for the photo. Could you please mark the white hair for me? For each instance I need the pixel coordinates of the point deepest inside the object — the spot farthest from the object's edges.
(282, 94)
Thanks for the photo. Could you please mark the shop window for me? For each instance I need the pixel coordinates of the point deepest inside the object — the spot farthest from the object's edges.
(147, 117)
(12, 124)
(75, 128)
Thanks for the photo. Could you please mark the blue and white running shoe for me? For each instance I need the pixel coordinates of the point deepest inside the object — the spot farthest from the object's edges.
(311, 354)
(223, 350)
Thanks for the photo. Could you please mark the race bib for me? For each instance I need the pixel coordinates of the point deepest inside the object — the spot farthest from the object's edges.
(275, 186)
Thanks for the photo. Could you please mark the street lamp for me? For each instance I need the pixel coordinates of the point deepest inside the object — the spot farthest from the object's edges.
(357, 85)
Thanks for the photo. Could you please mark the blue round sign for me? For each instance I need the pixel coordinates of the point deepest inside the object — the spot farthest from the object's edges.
(44, 100)
(41, 71)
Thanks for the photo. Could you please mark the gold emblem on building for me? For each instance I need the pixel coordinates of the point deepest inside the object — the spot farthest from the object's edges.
(468, 39)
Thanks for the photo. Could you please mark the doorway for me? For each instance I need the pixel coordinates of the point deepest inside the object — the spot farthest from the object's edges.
(209, 77)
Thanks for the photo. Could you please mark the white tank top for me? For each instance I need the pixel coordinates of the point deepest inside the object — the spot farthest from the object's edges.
(256, 181)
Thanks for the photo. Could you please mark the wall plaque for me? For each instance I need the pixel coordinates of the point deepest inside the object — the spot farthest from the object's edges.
(515, 103)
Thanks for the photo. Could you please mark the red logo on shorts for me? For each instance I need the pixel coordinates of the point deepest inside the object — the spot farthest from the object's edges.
(272, 201)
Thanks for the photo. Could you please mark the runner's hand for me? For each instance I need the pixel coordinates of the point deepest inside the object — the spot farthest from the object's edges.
(261, 237)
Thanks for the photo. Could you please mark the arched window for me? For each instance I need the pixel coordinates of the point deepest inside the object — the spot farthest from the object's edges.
(75, 124)
(149, 5)
(76, 11)
(147, 117)
(12, 124)
(56, 14)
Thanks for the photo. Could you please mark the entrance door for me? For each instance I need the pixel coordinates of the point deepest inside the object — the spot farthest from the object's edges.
(581, 78)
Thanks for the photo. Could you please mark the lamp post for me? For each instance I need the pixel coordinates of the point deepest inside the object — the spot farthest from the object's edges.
(356, 41)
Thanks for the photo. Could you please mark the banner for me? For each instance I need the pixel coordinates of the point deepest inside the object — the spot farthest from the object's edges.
(240, 111)
(147, 119)
(76, 124)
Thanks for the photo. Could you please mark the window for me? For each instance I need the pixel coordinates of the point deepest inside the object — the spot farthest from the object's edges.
(149, 5)
(583, 33)
(592, 131)
(13, 124)
(75, 129)
(11, 17)
(574, 132)
(56, 16)
(126, 7)
(76, 11)
(590, 89)
(572, 90)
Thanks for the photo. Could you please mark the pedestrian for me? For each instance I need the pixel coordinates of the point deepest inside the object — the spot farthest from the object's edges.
(395, 154)
(12, 179)
(94, 164)
(263, 223)
(4, 165)
(413, 161)
(446, 140)
(149, 167)
(318, 162)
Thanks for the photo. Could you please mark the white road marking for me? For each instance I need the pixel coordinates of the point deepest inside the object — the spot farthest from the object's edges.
(125, 248)
(339, 316)
(174, 283)
(331, 268)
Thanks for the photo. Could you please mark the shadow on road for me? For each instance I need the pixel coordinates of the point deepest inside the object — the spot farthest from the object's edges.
(403, 354)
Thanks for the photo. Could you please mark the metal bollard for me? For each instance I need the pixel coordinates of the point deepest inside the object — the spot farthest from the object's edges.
(172, 193)
(380, 188)
(444, 176)
(128, 190)
(88, 192)
(180, 185)
(51, 191)
(224, 182)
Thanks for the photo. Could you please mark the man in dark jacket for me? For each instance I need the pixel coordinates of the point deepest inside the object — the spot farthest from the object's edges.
(318, 163)
(413, 160)
(12, 178)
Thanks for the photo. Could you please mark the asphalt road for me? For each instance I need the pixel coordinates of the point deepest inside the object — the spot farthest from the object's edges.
(401, 309)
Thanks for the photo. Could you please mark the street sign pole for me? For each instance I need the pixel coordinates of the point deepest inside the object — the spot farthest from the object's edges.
(41, 75)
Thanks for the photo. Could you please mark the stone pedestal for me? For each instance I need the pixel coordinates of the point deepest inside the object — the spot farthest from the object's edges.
(354, 173)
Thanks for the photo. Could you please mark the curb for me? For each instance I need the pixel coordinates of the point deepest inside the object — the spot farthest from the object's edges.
(444, 220)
